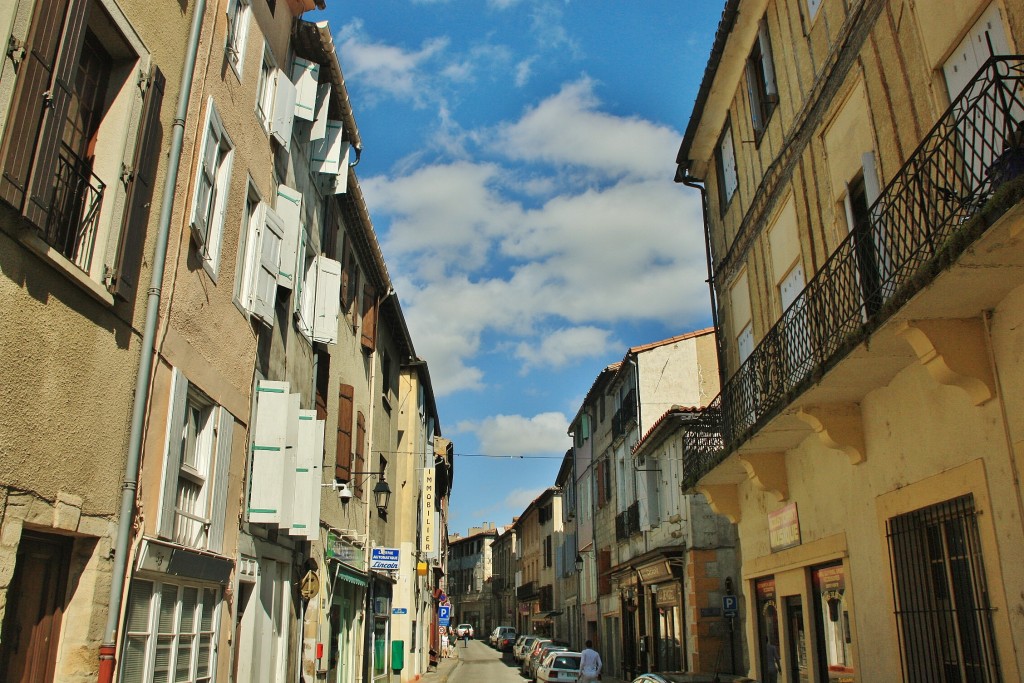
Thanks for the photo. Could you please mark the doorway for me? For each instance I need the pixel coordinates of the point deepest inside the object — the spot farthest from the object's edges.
(797, 636)
(35, 607)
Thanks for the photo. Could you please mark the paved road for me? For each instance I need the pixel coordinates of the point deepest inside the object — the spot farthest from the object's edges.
(481, 663)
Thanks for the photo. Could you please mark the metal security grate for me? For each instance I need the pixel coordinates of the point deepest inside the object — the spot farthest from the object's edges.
(920, 221)
(942, 608)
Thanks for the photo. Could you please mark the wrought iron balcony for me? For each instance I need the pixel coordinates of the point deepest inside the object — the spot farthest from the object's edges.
(921, 222)
(627, 522)
(75, 211)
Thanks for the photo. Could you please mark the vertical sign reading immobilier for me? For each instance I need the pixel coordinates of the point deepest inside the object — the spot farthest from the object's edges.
(429, 528)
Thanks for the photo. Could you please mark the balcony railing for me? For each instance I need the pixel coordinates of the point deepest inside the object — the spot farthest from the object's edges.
(627, 522)
(624, 416)
(526, 591)
(75, 211)
(921, 222)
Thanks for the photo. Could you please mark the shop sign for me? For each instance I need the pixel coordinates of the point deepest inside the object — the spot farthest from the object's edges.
(384, 559)
(784, 527)
(429, 532)
(655, 572)
(667, 595)
(338, 549)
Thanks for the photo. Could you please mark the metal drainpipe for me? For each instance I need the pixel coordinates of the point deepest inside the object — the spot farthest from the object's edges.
(693, 182)
(108, 648)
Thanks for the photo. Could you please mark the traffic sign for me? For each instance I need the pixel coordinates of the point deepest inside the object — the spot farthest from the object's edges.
(730, 606)
(444, 615)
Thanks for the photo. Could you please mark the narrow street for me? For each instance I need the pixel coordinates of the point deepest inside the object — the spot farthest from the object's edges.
(483, 663)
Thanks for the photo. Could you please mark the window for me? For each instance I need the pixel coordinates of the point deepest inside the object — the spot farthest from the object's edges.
(171, 632)
(213, 177)
(238, 29)
(739, 297)
(196, 474)
(725, 163)
(80, 170)
(761, 80)
(385, 378)
(942, 609)
(275, 100)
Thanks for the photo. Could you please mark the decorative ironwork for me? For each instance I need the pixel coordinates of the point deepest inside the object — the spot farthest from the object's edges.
(75, 211)
(627, 522)
(921, 221)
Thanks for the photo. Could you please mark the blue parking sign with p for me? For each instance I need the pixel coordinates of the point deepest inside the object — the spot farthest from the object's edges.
(730, 605)
(444, 615)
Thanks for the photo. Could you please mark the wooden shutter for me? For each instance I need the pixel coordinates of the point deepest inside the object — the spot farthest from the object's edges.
(343, 449)
(269, 437)
(140, 190)
(39, 107)
(284, 109)
(268, 255)
(172, 452)
(305, 521)
(288, 206)
(369, 316)
(324, 326)
(305, 74)
(360, 449)
(604, 576)
(222, 468)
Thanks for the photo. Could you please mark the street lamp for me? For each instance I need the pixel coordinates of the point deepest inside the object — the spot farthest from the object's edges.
(381, 492)
(579, 563)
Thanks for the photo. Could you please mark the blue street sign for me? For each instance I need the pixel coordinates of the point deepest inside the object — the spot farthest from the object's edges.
(730, 605)
(384, 558)
(444, 615)
(399, 610)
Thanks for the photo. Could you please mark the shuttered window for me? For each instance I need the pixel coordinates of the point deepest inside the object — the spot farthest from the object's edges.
(343, 449)
(368, 338)
(213, 179)
(305, 520)
(71, 158)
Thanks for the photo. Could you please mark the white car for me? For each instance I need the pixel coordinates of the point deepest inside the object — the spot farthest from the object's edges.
(463, 629)
(559, 666)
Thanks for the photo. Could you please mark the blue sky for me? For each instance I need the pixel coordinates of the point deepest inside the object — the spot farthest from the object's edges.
(517, 161)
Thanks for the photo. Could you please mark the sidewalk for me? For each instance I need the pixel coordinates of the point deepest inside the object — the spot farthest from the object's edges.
(444, 669)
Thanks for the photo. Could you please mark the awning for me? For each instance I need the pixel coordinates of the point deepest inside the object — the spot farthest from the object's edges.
(349, 575)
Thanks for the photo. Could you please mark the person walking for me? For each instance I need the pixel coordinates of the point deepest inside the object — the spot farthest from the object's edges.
(590, 664)
(772, 662)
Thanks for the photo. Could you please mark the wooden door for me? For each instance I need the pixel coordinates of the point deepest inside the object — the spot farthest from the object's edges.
(35, 606)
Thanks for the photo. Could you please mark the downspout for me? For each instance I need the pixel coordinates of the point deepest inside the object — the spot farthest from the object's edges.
(690, 181)
(144, 377)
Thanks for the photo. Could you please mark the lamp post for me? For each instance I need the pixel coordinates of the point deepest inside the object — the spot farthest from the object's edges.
(381, 492)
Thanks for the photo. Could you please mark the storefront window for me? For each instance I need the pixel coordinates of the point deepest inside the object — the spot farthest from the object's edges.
(833, 624)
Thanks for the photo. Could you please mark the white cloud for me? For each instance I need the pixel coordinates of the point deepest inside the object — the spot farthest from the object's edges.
(560, 347)
(524, 70)
(514, 435)
(388, 69)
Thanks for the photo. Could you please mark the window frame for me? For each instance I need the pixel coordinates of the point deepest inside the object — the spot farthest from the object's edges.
(725, 197)
(265, 89)
(239, 13)
(208, 236)
(761, 84)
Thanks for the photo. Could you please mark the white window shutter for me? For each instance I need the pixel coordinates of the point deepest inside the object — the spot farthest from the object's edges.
(264, 291)
(287, 483)
(308, 463)
(307, 298)
(268, 452)
(305, 74)
(327, 303)
(327, 152)
(288, 207)
(172, 452)
(323, 101)
(206, 180)
(222, 468)
(284, 109)
(338, 184)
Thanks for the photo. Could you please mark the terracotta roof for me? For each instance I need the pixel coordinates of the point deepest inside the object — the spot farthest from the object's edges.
(674, 411)
(670, 340)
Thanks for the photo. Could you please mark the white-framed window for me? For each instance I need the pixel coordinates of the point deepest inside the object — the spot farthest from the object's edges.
(170, 632)
(725, 164)
(275, 100)
(213, 180)
(238, 31)
(764, 95)
(265, 88)
(195, 476)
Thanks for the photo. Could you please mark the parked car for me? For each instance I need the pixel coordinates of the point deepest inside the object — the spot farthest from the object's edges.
(501, 632)
(690, 677)
(540, 654)
(523, 645)
(531, 650)
(505, 640)
(464, 629)
(559, 666)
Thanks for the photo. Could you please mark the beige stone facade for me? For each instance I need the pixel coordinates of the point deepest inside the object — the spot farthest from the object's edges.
(860, 163)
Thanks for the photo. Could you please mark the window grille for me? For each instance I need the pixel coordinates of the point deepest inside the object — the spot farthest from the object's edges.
(939, 590)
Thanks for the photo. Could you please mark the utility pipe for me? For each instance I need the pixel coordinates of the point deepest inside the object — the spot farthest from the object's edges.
(144, 378)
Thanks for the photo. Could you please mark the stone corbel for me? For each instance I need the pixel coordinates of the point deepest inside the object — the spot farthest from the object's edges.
(768, 472)
(953, 352)
(724, 499)
(838, 426)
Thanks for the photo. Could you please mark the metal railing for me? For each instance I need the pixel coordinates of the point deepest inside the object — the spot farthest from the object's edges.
(75, 211)
(919, 223)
